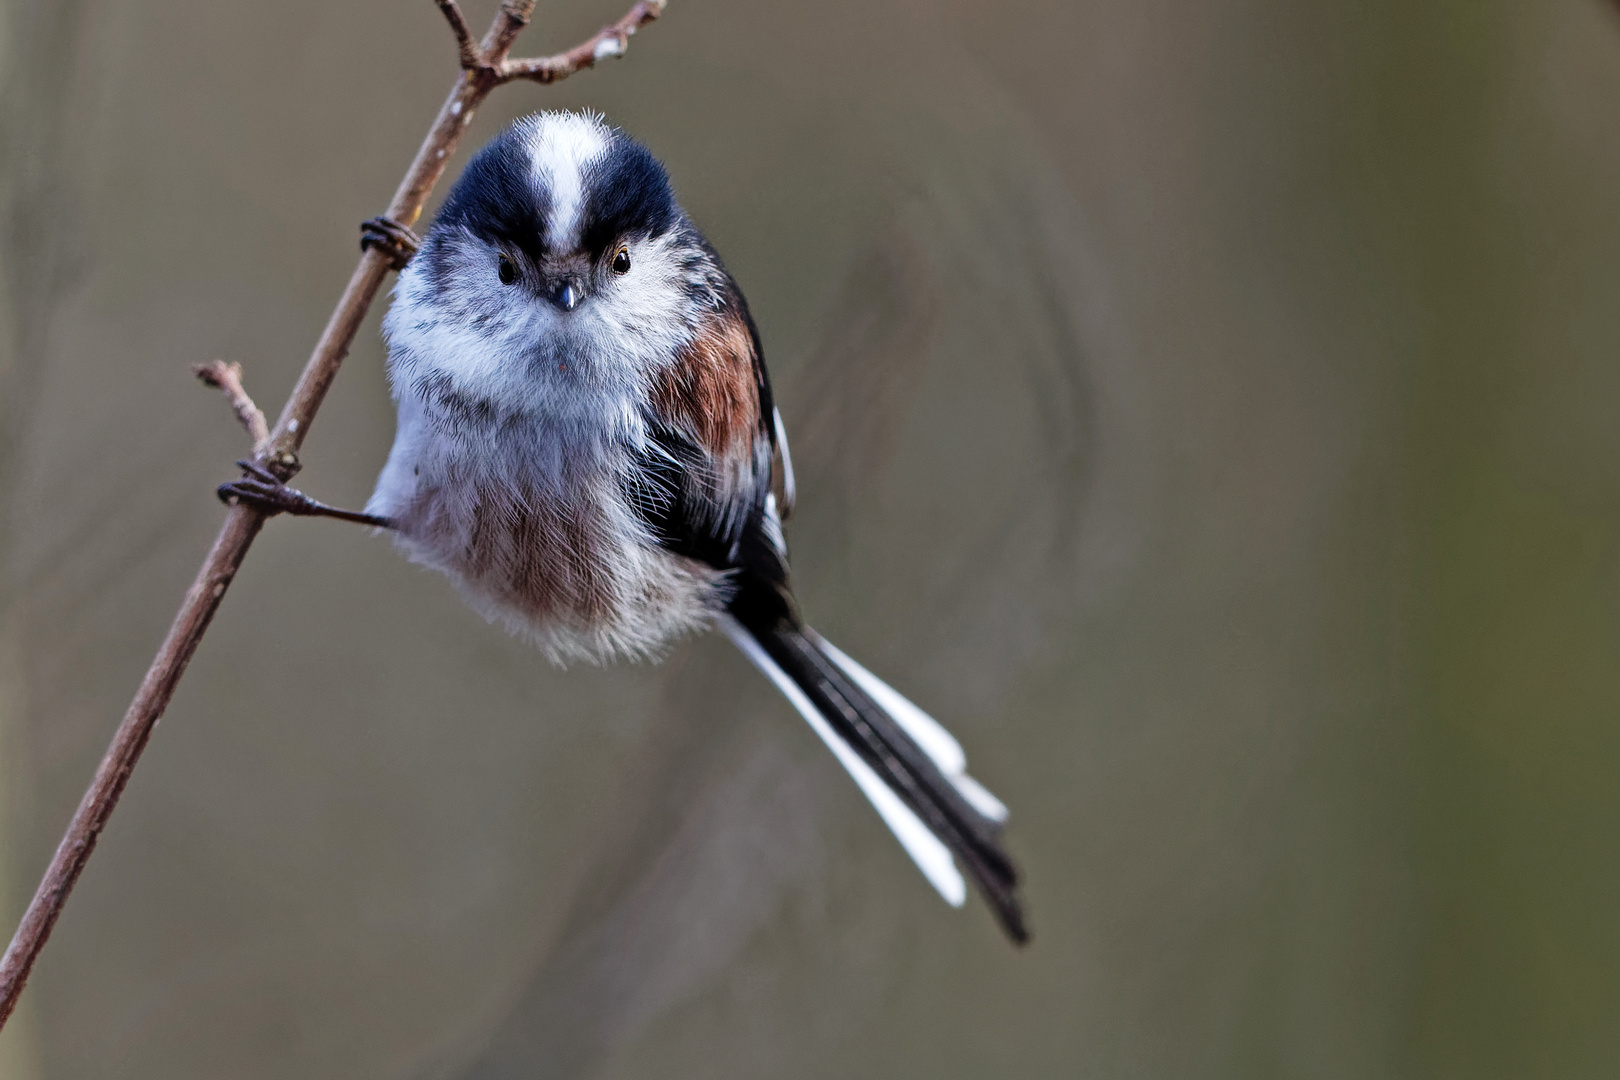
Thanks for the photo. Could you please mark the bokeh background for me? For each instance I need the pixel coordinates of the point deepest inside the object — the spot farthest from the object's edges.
(1207, 408)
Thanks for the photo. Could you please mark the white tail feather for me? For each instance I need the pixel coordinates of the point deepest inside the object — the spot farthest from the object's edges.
(928, 733)
(930, 854)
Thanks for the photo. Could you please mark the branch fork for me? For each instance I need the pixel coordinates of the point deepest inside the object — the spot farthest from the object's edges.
(488, 62)
(388, 243)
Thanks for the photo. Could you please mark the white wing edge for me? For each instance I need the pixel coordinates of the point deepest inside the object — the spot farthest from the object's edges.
(928, 733)
(932, 857)
(790, 490)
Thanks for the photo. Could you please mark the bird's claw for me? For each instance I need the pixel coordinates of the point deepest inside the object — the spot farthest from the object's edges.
(259, 472)
(266, 492)
(268, 496)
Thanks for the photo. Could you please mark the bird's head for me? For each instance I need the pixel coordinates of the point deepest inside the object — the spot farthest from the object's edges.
(559, 269)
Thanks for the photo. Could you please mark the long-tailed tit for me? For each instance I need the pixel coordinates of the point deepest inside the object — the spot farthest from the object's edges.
(587, 446)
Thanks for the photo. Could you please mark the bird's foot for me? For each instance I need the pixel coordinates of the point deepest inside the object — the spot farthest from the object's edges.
(266, 493)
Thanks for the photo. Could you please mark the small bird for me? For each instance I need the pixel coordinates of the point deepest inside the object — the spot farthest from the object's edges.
(587, 446)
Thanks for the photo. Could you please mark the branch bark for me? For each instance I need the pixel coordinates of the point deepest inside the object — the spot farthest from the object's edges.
(484, 67)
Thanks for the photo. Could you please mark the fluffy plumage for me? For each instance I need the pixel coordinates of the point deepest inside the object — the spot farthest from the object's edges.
(587, 445)
(526, 430)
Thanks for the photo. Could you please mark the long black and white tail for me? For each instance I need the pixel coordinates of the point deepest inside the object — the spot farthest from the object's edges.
(909, 766)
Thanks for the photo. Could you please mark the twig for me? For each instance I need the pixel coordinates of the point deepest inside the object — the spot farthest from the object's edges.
(485, 67)
(470, 55)
(607, 42)
(228, 379)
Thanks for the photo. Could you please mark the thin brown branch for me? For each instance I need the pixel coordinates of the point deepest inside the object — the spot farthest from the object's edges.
(471, 56)
(278, 452)
(509, 23)
(610, 41)
(227, 378)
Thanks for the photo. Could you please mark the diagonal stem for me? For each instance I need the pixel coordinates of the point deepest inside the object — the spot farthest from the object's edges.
(278, 453)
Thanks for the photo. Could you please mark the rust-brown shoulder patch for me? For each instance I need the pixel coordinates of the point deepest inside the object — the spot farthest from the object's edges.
(710, 389)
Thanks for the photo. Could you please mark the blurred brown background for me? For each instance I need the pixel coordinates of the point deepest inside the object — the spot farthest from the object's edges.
(1207, 409)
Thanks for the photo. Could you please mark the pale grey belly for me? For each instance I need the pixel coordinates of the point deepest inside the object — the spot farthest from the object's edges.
(580, 575)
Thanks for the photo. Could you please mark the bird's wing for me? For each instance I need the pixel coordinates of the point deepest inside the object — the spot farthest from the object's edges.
(702, 480)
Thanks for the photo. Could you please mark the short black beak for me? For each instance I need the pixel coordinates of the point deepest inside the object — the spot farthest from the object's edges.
(566, 296)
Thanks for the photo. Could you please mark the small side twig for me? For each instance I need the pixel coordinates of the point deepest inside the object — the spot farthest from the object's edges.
(471, 56)
(227, 378)
(483, 61)
(610, 41)
(485, 67)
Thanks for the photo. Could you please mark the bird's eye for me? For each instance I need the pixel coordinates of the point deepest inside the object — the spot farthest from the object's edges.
(621, 261)
(506, 270)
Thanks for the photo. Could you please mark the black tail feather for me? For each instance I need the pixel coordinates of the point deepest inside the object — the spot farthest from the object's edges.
(914, 776)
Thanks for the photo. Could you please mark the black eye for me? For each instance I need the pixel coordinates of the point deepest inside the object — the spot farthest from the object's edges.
(506, 270)
(621, 261)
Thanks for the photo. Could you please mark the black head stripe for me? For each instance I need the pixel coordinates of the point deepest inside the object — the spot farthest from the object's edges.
(495, 198)
(627, 193)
